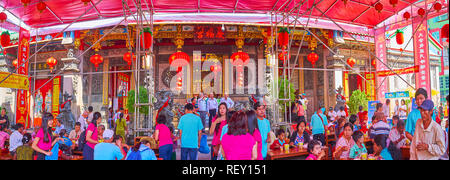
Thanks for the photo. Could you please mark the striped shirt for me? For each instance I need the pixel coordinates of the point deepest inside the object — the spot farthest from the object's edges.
(380, 128)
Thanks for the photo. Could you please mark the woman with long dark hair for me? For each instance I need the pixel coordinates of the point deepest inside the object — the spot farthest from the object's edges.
(237, 143)
(253, 129)
(91, 137)
(164, 136)
(218, 122)
(300, 137)
(43, 143)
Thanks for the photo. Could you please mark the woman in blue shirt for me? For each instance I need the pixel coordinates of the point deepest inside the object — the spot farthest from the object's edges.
(421, 95)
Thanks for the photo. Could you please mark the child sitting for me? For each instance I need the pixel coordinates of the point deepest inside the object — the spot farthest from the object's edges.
(359, 148)
(385, 150)
(280, 141)
(315, 150)
(25, 152)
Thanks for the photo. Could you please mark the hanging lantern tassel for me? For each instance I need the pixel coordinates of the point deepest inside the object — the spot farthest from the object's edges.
(399, 37)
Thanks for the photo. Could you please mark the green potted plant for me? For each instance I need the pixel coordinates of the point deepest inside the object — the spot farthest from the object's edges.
(283, 85)
(358, 98)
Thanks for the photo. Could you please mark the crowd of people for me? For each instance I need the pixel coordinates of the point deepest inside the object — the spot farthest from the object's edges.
(237, 135)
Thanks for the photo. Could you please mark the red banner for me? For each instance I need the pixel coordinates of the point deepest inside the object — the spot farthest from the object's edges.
(22, 95)
(380, 48)
(413, 69)
(421, 56)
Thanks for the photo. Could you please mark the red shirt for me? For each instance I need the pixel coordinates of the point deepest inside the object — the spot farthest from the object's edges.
(277, 143)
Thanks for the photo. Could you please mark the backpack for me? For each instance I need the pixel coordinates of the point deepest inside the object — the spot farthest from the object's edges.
(135, 155)
(82, 141)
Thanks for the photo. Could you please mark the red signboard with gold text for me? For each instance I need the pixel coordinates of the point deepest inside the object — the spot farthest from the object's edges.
(22, 95)
(421, 57)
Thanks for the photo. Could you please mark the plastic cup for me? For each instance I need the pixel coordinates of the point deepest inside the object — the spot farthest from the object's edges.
(300, 145)
(364, 156)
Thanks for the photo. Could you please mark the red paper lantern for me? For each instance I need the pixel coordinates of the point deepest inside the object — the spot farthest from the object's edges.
(51, 62)
(15, 62)
(399, 37)
(351, 61)
(146, 38)
(239, 58)
(393, 2)
(406, 15)
(179, 59)
(129, 57)
(25, 2)
(283, 38)
(86, 2)
(421, 12)
(313, 57)
(5, 40)
(374, 63)
(96, 60)
(444, 31)
(41, 6)
(379, 7)
(3, 17)
(437, 7)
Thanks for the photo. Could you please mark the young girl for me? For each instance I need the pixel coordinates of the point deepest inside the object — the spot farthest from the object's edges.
(280, 141)
(25, 152)
(344, 143)
(384, 150)
(315, 150)
(121, 126)
(300, 136)
(359, 148)
(43, 143)
(216, 128)
(164, 136)
(91, 137)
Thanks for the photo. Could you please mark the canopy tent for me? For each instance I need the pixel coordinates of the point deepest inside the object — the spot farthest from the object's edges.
(57, 12)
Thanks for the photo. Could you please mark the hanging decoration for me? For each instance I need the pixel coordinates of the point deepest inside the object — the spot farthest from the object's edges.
(41, 6)
(146, 38)
(313, 57)
(283, 37)
(96, 60)
(25, 2)
(283, 56)
(3, 17)
(444, 31)
(351, 61)
(178, 60)
(86, 2)
(15, 62)
(437, 6)
(129, 57)
(421, 12)
(240, 59)
(5, 39)
(51, 62)
(379, 7)
(393, 3)
(399, 37)
(406, 15)
(345, 2)
(374, 62)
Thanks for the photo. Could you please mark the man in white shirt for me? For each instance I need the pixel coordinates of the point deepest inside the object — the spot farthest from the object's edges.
(428, 142)
(397, 108)
(202, 108)
(397, 134)
(15, 140)
(212, 108)
(226, 99)
(332, 114)
(386, 108)
(83, 120)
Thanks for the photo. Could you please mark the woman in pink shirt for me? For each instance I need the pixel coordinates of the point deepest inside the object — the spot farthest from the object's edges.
(43, 143)
(253, 129)
(216, 129)
(237, 143)
(91, 137)
(164, 136)
(345, 143)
